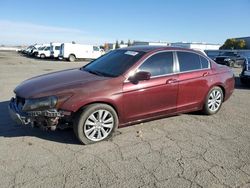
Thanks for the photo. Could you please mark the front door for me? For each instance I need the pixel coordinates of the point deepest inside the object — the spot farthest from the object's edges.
(152, 97)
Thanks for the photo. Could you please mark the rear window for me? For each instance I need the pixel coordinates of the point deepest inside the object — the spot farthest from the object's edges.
(190, 61)
(57, 48)
(204, 62)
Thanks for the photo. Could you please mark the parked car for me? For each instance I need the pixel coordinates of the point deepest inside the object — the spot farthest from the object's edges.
(34, 50)
(71, 51)
(245, 73)
(212, 53)
(44, 51)
(230, 59)
(55, 49)
(27, 50)
(123, 87)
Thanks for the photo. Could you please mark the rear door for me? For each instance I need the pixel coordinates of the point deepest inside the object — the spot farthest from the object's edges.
(155, 96)
(193, 80)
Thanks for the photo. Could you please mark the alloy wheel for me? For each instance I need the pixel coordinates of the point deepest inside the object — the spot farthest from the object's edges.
(214, 100)
(98, 125)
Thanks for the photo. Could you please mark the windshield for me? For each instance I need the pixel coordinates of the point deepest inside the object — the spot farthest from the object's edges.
(114, 63)
(228, 54)
(41, 48)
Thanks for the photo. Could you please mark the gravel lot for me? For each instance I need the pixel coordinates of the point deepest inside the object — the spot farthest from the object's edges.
(189, 150)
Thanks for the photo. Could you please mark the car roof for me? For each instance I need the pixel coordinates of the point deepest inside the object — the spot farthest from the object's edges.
(147, 48)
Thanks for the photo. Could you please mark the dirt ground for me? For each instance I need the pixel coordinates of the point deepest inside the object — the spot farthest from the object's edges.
(189, 150)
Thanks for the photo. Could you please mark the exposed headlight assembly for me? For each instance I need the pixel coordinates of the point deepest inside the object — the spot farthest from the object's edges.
(43, 103)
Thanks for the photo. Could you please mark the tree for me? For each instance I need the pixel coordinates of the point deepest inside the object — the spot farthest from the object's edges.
(234, 44)
(106, 47)
(241, 44)
(129, 43)
(117, 44)
(122, 42)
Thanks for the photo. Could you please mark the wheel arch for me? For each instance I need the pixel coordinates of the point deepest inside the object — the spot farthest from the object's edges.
(98, 102)
(220, 85)
(223, 90)
(71, 54)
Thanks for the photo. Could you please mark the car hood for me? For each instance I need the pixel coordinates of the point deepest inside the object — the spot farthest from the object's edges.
(52, 82)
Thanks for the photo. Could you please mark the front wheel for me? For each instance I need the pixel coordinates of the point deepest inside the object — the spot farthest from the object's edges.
(95, 123)
(42, 56)
(213, 101)
(72, 58)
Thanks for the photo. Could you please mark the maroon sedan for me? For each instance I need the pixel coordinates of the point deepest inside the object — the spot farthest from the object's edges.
(123, 87)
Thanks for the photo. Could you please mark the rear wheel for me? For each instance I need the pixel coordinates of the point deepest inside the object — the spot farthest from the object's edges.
(72, 58)
(213, 101)
(95, 123)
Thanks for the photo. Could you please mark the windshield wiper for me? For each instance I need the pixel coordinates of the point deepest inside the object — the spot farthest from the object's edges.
(92, 72)
(97, 72)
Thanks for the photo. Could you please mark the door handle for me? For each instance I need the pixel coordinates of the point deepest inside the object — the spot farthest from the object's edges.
(205, 74)
(171, 80)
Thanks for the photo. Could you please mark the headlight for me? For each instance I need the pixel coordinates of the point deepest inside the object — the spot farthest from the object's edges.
(246, 73)
(227, 59)
(40, 103)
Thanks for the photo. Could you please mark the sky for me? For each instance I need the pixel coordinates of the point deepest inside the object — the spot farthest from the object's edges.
(99, 21)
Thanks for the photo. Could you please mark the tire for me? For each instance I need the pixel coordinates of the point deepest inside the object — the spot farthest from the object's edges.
(72, 58)
(42, 56)
(243, 81)
(89, 128)
(213, 101)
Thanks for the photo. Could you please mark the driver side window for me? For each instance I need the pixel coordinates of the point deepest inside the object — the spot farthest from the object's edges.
(158, 64)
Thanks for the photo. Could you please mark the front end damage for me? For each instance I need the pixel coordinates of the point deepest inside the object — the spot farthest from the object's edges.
(46, 117)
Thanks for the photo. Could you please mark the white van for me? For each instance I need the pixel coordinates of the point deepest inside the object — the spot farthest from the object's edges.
(55, 49)
(44, 51)
(72, 51)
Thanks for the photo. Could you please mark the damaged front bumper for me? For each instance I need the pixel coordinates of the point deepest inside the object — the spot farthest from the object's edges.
(44, 118)
(15, 113)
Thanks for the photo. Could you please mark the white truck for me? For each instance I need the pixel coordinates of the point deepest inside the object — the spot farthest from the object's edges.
(71, 51)
(55, 49)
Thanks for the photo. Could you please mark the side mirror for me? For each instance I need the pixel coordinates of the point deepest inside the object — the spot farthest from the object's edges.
(140, 76)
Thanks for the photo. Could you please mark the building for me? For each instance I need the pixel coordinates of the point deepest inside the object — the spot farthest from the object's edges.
(111, 46)
(136, 43)
(196, 45)
(246, 39)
